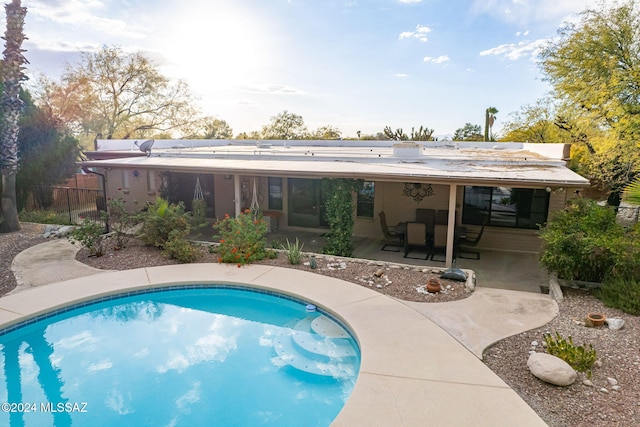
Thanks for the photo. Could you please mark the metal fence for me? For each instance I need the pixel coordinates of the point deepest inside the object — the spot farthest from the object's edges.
(76, 204)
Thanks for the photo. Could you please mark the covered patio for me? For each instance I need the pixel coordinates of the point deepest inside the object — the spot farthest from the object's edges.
(520, 271)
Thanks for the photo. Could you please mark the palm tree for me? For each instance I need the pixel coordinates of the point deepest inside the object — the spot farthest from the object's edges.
(489, 119)
(10, 106)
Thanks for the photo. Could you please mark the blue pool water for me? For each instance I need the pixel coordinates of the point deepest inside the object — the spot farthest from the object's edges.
(201, 356)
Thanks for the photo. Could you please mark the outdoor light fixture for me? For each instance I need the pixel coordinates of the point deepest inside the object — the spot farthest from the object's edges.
(417, 191)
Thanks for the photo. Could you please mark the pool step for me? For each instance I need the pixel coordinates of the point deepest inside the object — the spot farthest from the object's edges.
(307, 350)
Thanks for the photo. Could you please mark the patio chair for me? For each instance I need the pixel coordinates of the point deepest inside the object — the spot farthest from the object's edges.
(392, 238)
(416, 238)
(467, 242)
(439, 241)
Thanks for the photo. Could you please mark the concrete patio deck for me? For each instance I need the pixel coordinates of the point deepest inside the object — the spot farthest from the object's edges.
(420, 362)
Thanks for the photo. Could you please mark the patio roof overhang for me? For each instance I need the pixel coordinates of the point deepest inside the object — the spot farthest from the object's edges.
(461, 169)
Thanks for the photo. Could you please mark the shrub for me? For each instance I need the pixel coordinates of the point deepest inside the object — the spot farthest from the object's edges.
(199, 213)
(339, 213)
(579, 357)
(241, 239)
(121, 222)
(621, 293)
(294, 251)
(584, 242)
(91, 236)
(180, 249)
(162, 218)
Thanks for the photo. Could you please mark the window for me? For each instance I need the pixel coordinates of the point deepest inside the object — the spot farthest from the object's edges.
(151, 181)
(505, 207)
(275, 193)
(125, 179)
(365, 200)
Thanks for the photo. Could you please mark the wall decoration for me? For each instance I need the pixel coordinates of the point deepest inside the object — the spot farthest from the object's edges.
(417, 191)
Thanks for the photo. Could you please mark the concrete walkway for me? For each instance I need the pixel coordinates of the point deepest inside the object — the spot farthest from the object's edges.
(410, 351)
(49, 262)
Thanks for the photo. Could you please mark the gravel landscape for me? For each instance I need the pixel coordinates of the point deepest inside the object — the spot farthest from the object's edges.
(612, 399)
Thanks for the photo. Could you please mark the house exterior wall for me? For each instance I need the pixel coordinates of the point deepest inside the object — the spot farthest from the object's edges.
(132, 186)
(388, 198)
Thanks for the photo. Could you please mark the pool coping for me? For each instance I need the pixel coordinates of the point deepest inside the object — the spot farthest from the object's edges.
(412, 373)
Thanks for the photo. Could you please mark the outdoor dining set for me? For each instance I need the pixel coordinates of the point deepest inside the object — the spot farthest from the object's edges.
(427, 236)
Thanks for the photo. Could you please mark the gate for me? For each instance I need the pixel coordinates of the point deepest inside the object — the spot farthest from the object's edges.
(76, 204)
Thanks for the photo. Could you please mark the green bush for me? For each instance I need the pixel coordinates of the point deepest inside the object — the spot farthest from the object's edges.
(579, 357)
(162, 218)
(91, 236)
(180, 249)
(339, 213)
(584, 242)
(199, 213)
(294, 251)
(121, 222)
(621, 293)
(44, 217)
(241, 239)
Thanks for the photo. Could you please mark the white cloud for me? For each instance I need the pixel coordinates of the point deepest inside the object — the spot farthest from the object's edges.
(409, 1)
(419, 33)
(516, 51)
(100, 366)
(401, 75)
(436, 60)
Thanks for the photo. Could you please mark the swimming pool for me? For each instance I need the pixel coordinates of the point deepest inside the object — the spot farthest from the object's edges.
(187, 355)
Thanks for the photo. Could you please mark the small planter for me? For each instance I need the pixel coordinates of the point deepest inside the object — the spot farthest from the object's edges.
(596, 319)
(433, 285)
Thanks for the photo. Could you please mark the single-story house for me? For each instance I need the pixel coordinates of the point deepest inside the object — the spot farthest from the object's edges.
(510, 187)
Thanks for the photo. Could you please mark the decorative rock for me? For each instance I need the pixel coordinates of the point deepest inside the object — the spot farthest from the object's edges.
(604, 390)
(616, 388)
(587, 383)
(534, 343)
(597, 364)
(612, 381)
(551, 369)
(615, 323)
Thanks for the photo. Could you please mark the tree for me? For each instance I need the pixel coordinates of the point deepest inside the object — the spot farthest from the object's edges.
(594, 65)
(469, 132)
(10, 105)
(489, 119)
(327, 132)
(285, 125)
(209, 128)
(47, 153)
(536, 123)
(112, 94)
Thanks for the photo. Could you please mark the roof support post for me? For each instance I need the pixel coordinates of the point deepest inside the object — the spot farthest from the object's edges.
(237, 198)
(453, 193)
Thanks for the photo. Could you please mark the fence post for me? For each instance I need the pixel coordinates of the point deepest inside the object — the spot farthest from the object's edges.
(69, 206)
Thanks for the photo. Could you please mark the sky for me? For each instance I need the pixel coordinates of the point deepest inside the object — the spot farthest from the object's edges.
(358, 65)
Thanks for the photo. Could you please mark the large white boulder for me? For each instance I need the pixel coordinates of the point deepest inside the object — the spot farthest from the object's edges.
(551, 369)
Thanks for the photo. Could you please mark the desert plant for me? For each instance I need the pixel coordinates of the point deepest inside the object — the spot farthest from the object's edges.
(160, 219)
(241, 239)
(621, 293)
(91, 236)
(179, 248)
(579, 357)
(294, 251)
